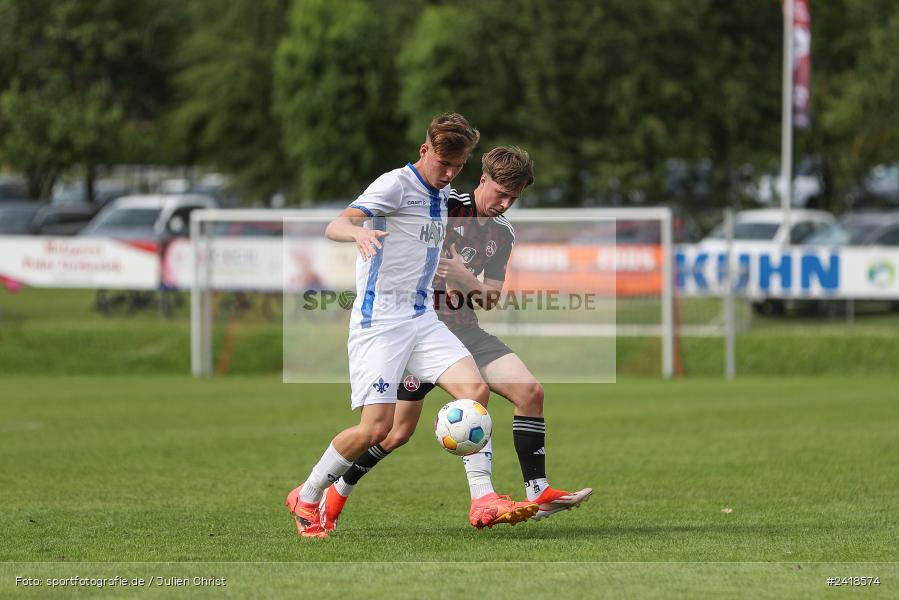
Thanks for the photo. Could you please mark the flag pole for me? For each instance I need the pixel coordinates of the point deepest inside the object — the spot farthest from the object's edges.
(786, 136)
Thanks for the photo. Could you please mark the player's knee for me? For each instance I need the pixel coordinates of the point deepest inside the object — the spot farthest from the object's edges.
(376, 433)
(400, 434)
(533, 398)
(479, 392)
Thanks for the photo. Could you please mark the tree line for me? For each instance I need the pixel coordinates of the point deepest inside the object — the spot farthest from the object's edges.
(315, 98)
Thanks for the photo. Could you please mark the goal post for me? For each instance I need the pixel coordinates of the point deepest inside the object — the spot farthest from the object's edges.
(664, 267)
(202, 235)
(642, 270)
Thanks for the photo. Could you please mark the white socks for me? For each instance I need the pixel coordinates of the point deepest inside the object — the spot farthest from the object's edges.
(328, 470)
(479, 469)
(343, 488)
(534, 487)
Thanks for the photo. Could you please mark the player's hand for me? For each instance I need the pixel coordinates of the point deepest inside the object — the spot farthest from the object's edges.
(453, 267)
(368, 241)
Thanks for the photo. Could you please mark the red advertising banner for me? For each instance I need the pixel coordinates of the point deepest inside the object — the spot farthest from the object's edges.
(625, 270)
(802, 64)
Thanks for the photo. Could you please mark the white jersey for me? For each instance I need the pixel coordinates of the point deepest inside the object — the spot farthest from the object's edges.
(397, 283)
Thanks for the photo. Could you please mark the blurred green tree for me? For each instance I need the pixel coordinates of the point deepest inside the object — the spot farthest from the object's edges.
(77, 78)
(336, 92)
(734, 82)
(855, 88)
(601, 93)
(318, 97)
(455, 60)
(225, 86)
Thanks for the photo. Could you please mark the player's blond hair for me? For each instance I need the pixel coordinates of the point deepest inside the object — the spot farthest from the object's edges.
(509, 166)
(451, 134)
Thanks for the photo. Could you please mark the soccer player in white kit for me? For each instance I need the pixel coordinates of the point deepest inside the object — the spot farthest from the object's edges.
(398, 225)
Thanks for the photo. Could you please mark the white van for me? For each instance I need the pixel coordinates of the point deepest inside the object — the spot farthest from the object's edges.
(767, 225)
(147, 218)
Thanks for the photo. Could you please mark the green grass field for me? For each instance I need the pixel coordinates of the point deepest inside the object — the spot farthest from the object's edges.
(168, 476)
(60, 332)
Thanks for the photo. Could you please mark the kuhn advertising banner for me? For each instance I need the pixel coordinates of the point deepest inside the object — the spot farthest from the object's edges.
(799, 272)
(67, 262)
(271, 264)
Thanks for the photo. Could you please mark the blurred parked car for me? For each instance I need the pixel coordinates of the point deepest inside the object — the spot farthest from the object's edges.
(766, 225)
(62, 220)
(38, 218)
(179, 185)
(629, 232)
(860, 229)
(214, 185)
(105, 191)
(12, 188)
(880, 187)
(16, 217)
(147, 218)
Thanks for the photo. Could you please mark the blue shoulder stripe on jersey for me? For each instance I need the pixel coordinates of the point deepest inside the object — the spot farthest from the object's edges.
(420, 178)
(368, 302)
(435, 206)
(363, 209)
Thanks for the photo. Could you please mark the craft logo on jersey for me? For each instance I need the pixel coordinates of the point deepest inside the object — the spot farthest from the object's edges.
(433, 233)
(381, 385)
(411, 383)
(460, 230)
(491, 248)
(468, 254)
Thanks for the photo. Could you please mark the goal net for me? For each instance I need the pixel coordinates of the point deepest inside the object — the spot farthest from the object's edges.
(583, 287)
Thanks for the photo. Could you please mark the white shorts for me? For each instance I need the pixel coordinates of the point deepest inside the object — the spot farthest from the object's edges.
(379, 356)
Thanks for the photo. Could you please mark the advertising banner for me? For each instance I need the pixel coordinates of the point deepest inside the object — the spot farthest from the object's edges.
(67, 262)
(810, 272)
(273, 264)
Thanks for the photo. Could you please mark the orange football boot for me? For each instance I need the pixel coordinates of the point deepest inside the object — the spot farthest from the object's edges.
(330, 508)
(552, 501)
(492, 509)
(305, 514)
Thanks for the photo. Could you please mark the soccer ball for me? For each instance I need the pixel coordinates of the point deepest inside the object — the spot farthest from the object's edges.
(463, 427)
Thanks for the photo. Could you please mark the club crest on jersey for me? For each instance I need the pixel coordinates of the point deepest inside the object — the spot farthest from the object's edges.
(411, 383)
(381, 385)
(490, 250)
(433, 233)
(468, 254)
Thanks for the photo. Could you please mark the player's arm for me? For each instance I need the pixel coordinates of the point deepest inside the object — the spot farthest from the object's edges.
(347, 227)
(382, 197)
(486, 293)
